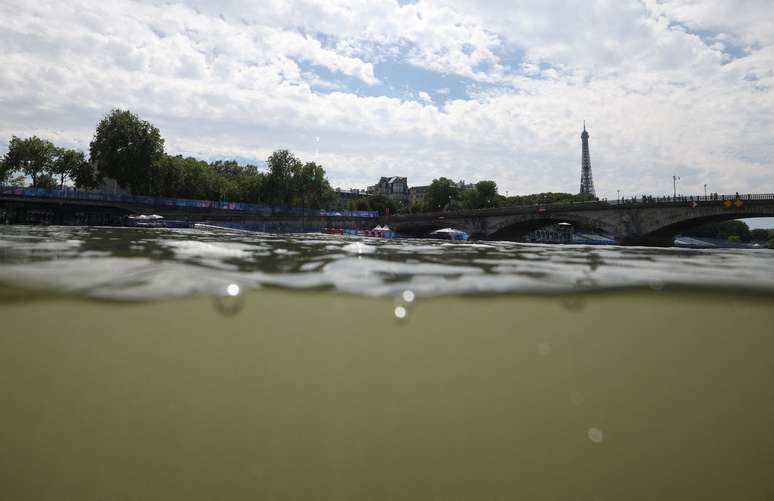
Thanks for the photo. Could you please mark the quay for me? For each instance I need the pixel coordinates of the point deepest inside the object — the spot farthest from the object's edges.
(74, 207)
(640, 221)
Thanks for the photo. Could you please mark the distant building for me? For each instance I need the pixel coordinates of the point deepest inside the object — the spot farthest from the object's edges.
(344, 197)
(394, 188)
(418, 194)
(462, 186)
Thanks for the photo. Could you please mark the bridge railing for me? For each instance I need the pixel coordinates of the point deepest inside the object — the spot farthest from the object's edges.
(258, 209)
(715, 197)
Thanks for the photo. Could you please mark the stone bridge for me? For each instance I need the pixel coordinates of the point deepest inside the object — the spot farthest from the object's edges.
(642, 222)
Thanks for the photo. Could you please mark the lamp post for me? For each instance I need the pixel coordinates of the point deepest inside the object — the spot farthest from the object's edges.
(705, 190)
(674, 186)
(619, 195)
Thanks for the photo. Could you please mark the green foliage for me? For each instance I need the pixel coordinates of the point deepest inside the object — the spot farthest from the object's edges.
(440, 194)
(416, 208)
(126, 148)
(771, 244)
(734, 238)
(32, 156)
(378, 203)
(545, 198)
(761, 235)
(291, 182)
(722, 230)
(482, 195)
(311, 188)
(16, 181)
(184, 178)
(43, 162)
(283, 165)
(5, 171)
(130, 151)
(47, 181)
(73, 164)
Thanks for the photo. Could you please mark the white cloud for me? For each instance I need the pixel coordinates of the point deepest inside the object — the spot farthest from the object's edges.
(667, 87)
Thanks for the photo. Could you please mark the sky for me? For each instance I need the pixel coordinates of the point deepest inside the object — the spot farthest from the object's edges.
(467, 89)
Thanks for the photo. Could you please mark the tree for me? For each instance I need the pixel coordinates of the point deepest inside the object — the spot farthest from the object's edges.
(5, 171)
(759, 235)
(722, 230)
(126, 149)
(85, 175)
(440, 194)
(483, 194)
(544, 198)
(32, 156)
(46, 181)
(311, 187)
(72, 164)
(487, 192)
(18, 181)
(279, 184)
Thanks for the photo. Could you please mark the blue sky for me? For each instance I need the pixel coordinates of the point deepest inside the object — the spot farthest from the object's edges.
(460, 88)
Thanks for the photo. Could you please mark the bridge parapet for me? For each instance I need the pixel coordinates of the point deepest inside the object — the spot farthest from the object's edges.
(645, 220)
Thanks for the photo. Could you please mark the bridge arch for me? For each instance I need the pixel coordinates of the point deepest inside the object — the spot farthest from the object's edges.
(664, 235)
(518, 226)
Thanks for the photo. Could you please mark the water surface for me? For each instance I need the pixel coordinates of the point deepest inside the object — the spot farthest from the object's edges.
(131, 263)
(176, 364)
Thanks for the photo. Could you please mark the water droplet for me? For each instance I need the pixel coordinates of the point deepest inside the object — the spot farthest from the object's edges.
(577, 398)
(231, 302)
(408, 296)
(400, 312)
(544, 349)
(573, 302)
(596, 435)
(656, 284)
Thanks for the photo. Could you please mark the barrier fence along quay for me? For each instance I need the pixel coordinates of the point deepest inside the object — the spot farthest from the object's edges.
(645, 199)
(271, 210)
(262, 209)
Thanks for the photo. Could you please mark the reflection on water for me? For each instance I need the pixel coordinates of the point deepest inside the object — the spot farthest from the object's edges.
(129, 263)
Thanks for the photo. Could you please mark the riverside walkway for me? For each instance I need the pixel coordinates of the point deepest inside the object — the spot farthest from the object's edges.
(36, 205)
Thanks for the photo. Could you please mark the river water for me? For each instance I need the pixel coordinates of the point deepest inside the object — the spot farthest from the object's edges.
(208, 364)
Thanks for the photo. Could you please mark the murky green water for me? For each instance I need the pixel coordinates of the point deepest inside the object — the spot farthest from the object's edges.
(159, 364)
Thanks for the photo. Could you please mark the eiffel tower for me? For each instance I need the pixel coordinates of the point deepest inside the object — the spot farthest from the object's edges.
(587, 181)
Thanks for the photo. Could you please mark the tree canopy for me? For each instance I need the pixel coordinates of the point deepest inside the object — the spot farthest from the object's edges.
(33, 156)
(126, 148)
(43, 163)
(72, 164)
(724, 230)
(545, 198)
(440, 194)
(5, 171)
(482, 195)
(378, 203)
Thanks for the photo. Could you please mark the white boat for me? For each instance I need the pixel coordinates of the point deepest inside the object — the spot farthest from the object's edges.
(450, 234)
